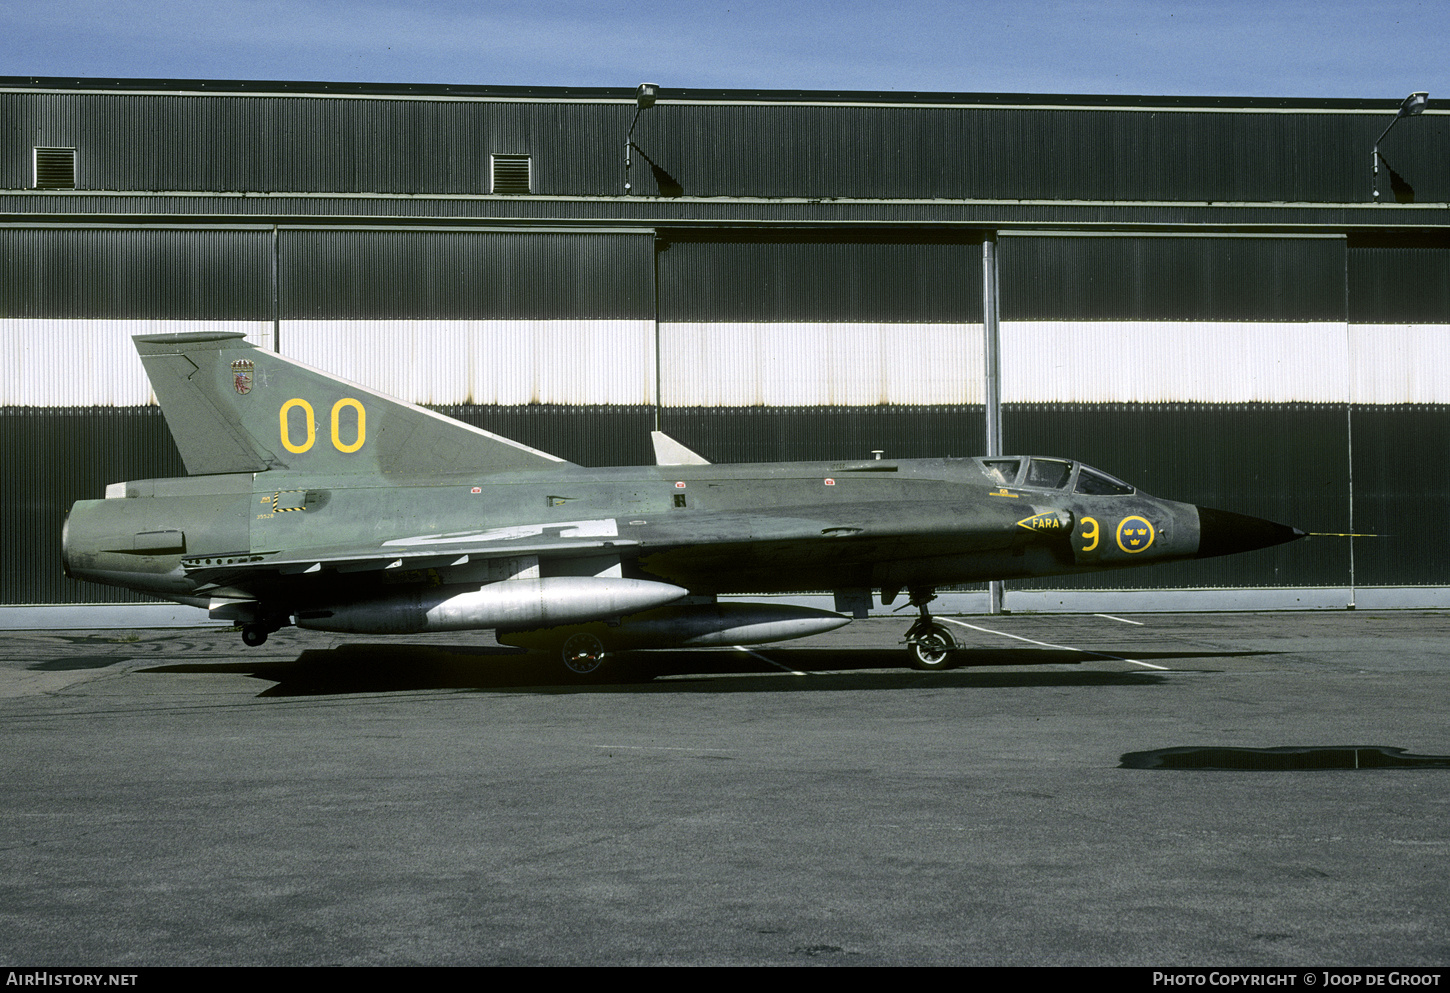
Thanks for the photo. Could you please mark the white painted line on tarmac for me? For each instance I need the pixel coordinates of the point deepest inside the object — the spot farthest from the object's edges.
(742, 648)
(660, 748)
(1044, 644)
(1123, 620)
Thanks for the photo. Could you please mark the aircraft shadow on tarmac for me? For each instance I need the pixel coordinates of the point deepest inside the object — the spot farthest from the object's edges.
(381, 668)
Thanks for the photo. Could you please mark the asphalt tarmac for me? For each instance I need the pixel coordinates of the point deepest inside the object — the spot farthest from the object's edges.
(1152, 790)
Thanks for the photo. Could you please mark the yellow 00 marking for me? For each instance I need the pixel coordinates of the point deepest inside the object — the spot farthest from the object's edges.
(1135, 534)
(311, 421)
(286, 431)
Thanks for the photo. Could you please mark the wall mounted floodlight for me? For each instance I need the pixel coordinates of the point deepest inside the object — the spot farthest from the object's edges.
(644, 99)
(1413, 104)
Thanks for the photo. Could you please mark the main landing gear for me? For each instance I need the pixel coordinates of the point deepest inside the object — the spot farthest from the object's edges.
(259, 625)
(255, 633)
(931, 644)
(588, 660)
(583, 655)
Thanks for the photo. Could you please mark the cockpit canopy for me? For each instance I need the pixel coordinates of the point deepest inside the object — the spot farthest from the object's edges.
(1052, 474)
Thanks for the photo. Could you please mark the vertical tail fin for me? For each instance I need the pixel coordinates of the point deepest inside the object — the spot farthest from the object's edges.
(233, 407)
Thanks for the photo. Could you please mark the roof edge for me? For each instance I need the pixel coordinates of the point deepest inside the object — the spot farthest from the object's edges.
(626, 94)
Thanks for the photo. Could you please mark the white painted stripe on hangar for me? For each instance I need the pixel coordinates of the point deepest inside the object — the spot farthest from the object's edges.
(507, 362)
(1174, 361)
(87, 362)
(745, 364)
(789, 364)
(81, 363)
(1223, 362)
(53, 362)
(1400, 363)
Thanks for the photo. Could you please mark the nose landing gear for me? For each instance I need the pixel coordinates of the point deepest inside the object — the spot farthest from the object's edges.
(931, 644)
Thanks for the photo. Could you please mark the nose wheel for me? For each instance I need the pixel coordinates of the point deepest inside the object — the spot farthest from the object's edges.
(930, 643)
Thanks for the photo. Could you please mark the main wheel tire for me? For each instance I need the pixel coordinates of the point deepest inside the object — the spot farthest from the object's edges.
(254, 635)
(932, 652)
(584, 656)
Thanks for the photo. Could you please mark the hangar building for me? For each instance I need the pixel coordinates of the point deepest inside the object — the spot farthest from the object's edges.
(1204, 296)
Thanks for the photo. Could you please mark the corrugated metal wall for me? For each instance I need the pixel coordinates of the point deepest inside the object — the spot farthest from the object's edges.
(1401, 478)
(547, 338)
(1399, 312)
(823, 322)
(438, 316)
(71, 298)
(1297, 378)
(469, 317)
(786, 434)
(136, 273)
(384, 275)
(1285, 462)
(1035, 153)
(490, 362)
(1215, 370)
(1138, 354)
(52, 457)
(342, 144)
(1193, 278)
(1399, 279)
(837, 277)
(593, 435)
(81, 362)
(315, 143)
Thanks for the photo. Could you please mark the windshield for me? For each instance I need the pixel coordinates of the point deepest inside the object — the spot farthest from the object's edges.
(1095, 483)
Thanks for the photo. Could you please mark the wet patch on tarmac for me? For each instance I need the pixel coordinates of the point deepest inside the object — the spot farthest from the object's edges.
(1287, 759)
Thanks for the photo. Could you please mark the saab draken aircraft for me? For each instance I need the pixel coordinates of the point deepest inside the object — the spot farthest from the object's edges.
(315, 502)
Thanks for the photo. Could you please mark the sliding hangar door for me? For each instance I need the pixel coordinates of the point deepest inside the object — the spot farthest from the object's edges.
(1296, 378)
(1301, 379)
(543, 337)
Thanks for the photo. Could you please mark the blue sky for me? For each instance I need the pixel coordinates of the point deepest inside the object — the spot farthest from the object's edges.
(1235, 48)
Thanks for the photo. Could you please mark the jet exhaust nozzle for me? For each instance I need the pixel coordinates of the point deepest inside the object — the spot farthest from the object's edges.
(511, 603)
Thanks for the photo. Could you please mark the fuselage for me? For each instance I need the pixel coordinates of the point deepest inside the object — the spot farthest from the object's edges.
(708, 528)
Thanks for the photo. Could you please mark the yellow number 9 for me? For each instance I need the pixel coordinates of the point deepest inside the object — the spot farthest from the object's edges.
(1090, 534)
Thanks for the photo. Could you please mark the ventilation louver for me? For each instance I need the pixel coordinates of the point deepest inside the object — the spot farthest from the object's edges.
(511, 174)
(55, 168)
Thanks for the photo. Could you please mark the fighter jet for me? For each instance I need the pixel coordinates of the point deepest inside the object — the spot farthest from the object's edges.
(316, 502)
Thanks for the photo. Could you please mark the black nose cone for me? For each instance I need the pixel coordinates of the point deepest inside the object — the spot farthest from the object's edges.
(1222, 532)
